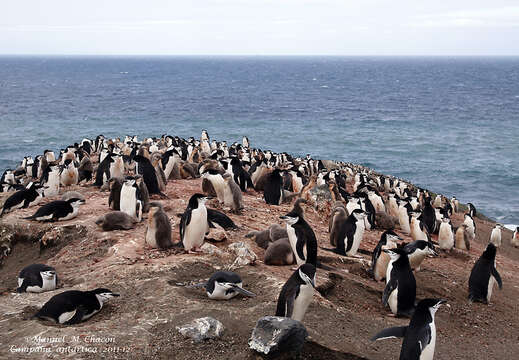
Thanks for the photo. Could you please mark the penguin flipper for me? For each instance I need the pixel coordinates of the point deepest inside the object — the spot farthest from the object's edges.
(390, 286)
(389, 333)
(496, 275)
(243, 291)
(77, 317)
(300, 244)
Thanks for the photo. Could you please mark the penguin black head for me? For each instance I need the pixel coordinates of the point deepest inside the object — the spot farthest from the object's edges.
(430, 305)
(197, 199)
(358, 214)
(390, 235)
(291, 218)
(490, 252)
(307, 274)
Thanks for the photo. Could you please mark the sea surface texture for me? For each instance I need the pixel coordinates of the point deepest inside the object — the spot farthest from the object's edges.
(450, 125)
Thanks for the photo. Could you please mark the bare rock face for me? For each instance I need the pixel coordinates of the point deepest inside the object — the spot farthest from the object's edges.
(274, 334)
(245, 255)
(202, 329)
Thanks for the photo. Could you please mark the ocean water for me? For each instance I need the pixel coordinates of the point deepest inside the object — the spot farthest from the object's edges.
(450, 125)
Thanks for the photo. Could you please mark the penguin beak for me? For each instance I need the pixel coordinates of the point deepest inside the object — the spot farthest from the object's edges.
(283, 217)
(442, 301)
(114, 294)
(209, 197)
(399, 238)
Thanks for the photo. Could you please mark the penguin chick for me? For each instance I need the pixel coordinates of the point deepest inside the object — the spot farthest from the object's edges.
(232, 194)
(72, 307)
(463, 237)
(158, 230)
(495, 235)
(279, 253)
(224, 285)
(297, 293)
(116, 220)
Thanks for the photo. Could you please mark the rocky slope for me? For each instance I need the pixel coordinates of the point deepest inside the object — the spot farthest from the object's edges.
(141, 324)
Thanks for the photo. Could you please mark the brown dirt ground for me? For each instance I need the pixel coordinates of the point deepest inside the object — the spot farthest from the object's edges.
(141, 324)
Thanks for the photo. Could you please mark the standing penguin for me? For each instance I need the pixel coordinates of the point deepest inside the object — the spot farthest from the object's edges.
(218, 184)
(57, 210)
(297, 293)
(73, 306)
(428, 216)
(463, 237)
(400, 290)
(495, 236)
(114, 199)
(158, 230)
(273, 192)
(193, 224)
(483, 276)
(232, 194)
(349, 233)
(420, 336)
(301, 236)
(515, 237)
(471, 225)
(224, 285)
(338, 217)
(146, 169)
(472, 209)
(69, 174)
(37, 278)
(403, 216)
(445, 235)
(418, 229)
(130, 202)
(380, 259)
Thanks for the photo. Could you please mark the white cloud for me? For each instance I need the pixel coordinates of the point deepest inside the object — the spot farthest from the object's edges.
(480, 18)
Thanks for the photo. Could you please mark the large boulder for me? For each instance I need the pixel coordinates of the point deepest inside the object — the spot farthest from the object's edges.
(275, 334)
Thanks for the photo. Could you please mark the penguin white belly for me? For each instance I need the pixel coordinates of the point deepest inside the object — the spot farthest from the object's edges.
(381, 266)
(128, 200)
(47, 286)
(352, 206)
(72, 215)
(219, 186)
(228, 198)
(388, 271)
(293, 242)
(195, 230)
(301, 303)
(35, 201)
(416, 258)
(491, 282)
(66, 316)
(88, 316)
(403, 219)
(495, 237)
(393, 301)
(357, 238)
(44, 218)
(428, 349)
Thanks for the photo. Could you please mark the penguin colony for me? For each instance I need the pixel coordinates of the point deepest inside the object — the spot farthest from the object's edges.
(133, 171)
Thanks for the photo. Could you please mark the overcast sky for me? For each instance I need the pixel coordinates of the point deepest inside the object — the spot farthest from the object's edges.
(260, 27)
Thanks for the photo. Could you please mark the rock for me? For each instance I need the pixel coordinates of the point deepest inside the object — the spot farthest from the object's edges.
(202, 329)
(217, 235)
(245, 255)
(210, 249)
(274, 334)
(72, 194)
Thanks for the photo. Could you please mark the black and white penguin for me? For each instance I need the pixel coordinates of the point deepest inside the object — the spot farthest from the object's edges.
(130, 199)
(158, 229)
(146, 169)
(103, 170)
(116, 220)
(273, 192)
(472, 209)
(57, 210)
(73, 306)
(495, 235)
(23, 199)
(217, 182)
(224, 285)
(301, 236)
(483, 276)
(471, 225)
(193, 224)
(420, 336)
(515, 237)
(349, 234)
(37, 278)
(380, 259)
(417, 251)
(296, 295)
(428, 216)
(404, 208)
(400, 290)
(419, 230)
(240, 176)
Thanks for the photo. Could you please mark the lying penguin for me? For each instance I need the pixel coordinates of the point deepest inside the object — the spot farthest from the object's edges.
(72, 307)
(37, 278)
(224, 285)
(57, 210)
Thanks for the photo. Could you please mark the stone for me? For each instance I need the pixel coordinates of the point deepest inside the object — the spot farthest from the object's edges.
(275, 334)
(202, 329)
(245, 255)
(210, 249)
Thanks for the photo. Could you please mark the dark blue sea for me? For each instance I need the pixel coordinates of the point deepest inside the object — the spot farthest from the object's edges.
(450, 125)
